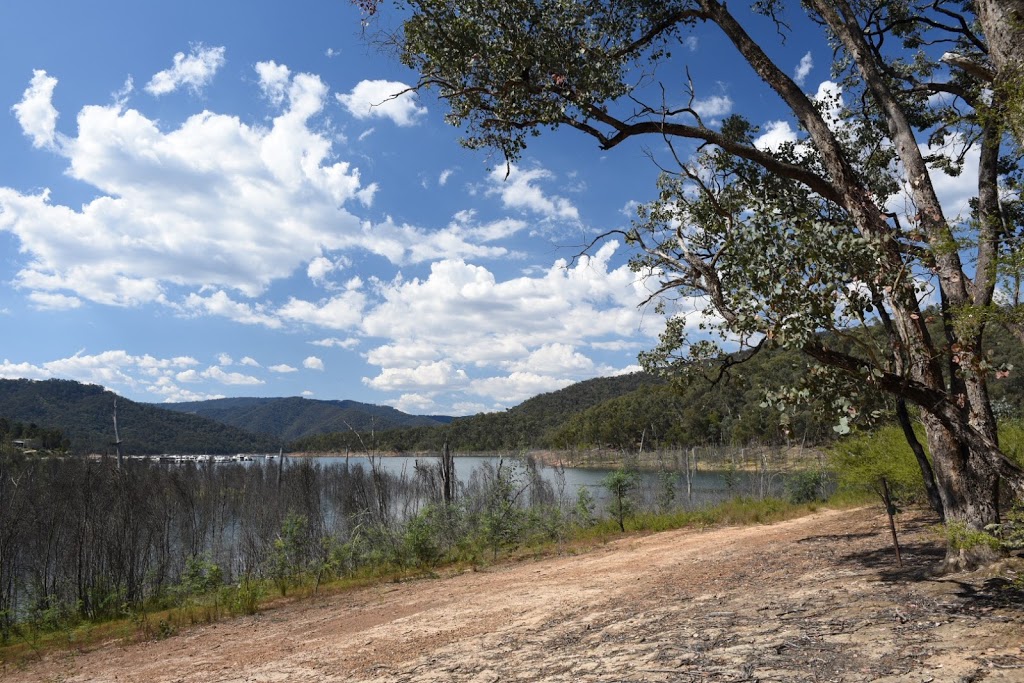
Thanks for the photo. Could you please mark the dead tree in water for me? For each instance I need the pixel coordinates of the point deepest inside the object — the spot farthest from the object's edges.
(117, 440)
(280, 466)
(447, 474)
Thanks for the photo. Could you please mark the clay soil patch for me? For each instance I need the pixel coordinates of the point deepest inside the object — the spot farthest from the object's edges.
(812, 599)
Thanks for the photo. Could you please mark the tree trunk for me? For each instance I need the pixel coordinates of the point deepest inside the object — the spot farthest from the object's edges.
(969, 491)
(1003, 24)
(927, 474)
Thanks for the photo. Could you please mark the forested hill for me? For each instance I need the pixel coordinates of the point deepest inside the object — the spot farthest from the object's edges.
(84, 413)
(625, 411)
(525, 425)
(288, 419)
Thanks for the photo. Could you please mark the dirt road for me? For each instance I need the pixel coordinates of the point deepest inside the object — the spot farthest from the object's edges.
(812, 599)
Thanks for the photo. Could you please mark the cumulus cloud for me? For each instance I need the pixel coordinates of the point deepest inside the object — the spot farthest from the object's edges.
(112, 369)
(231, 378)
(334, 342)
(383, 99)
(51, 301)
(776, 134)
(194, 70)
(214, 203)
(35, 112)
(319, 268)
(313, 363)
(442, 179)
(828, 98)
(251, 362)
(554, 359)
(713, 107)
(502, 334)
(518, 386)
(220, 304)
(520, 190)
(224, 359)
(803, 69)
(339, 312)
(283, 368)
(415, 403)
(436, 376)
(274, 80)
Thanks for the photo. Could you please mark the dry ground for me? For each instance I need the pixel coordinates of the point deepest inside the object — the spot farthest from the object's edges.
(812, 599)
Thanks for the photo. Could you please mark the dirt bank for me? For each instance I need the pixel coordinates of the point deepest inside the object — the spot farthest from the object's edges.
(813, 599)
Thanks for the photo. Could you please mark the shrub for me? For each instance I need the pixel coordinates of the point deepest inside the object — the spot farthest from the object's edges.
(620, 485)
(806, 486)
(863, 460)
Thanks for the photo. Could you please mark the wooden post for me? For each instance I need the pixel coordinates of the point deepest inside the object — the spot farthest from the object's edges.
(890, 510)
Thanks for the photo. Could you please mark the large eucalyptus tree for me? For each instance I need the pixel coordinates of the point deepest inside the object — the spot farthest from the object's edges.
(785, 244)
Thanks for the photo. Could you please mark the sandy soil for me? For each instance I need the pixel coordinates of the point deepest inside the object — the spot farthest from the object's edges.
(812, 599)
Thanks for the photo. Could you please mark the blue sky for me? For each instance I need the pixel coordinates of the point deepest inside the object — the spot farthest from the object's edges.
(219, 199)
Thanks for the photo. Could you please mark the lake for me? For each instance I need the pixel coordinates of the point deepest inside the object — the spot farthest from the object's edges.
(707, 486)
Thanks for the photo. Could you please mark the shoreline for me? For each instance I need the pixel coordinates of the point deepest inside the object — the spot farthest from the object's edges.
(705, 459)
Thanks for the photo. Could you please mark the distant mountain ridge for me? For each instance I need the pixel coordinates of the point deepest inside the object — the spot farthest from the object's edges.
(84, 412)
(292, 418)
(526, 425)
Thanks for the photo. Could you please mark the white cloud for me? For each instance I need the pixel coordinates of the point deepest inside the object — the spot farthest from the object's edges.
(212, 204)
(442, 179)
(307, 393)
(518, 386)
(282, 368)
(225, 359)
(829, 97)
(554, 359)
(776, 133)
(616, 345)
(319, 268)
(111, 369)
(35, 113)
(50, 301)
(691, 43)
(120, 371)
(220, 304)
(415, 404)
(232, 378)
(274, 80)
(383, 99)
(194, 70)
(505, 338)
(340, 312)
(713, 107)
(803, 69)
(251, 362)
(520, 191)
(313, 363)
(188, 376)
(9, 370)
(334, 342)
(429, 376)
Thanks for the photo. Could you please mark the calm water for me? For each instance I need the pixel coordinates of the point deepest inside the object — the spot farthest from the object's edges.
(706, 487)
